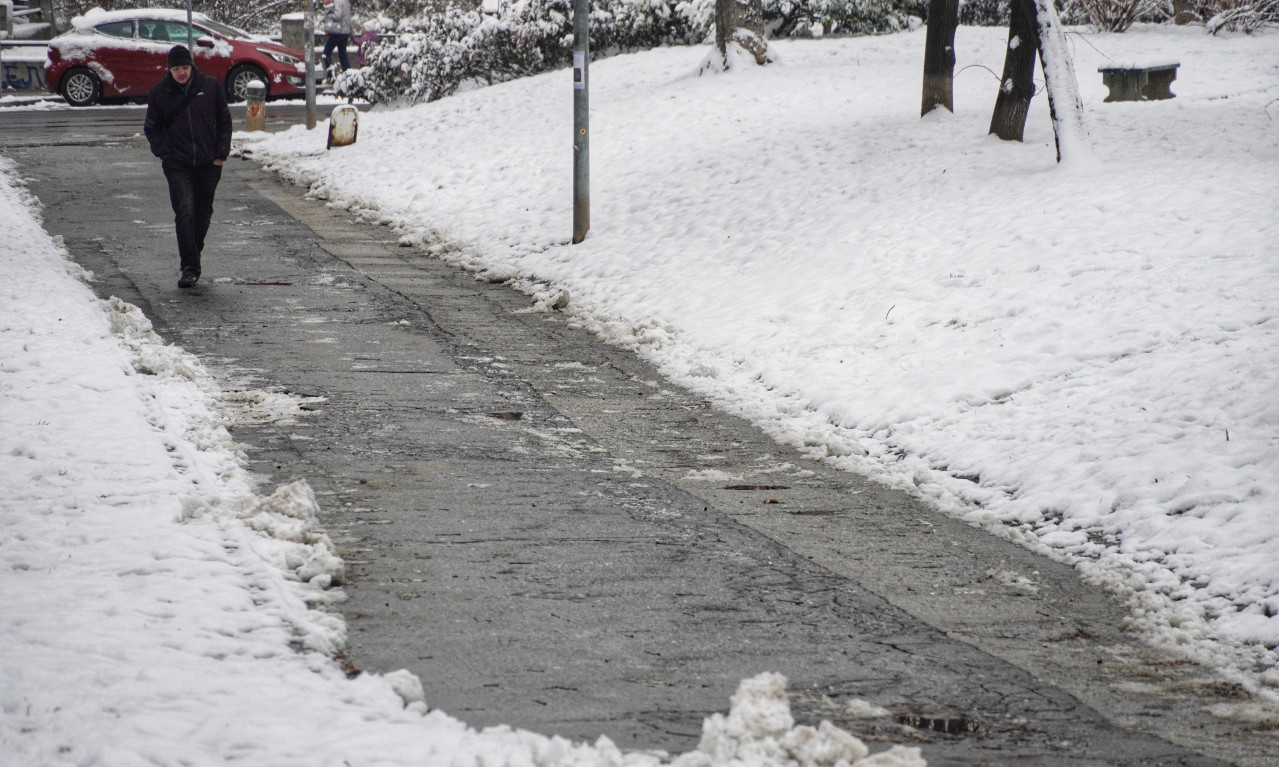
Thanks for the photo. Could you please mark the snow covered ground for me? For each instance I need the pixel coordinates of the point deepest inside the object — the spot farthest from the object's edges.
(1083, 358)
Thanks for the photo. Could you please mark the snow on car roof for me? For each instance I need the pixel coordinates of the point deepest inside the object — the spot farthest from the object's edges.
(96, 16)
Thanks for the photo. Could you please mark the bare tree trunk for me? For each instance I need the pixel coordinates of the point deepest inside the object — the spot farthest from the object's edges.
(1017, 86)
(740, 22)
(939, 56)
(1067, 108)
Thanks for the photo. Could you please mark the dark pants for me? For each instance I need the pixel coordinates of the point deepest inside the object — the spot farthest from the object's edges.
(332, 41)
(191, 192)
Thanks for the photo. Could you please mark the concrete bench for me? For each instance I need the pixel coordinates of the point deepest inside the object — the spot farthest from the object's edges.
(1139, 82)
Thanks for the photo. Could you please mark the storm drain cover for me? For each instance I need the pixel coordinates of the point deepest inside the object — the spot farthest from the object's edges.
(951, 725)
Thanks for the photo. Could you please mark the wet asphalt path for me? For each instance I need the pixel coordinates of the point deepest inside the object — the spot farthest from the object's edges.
(528, 522)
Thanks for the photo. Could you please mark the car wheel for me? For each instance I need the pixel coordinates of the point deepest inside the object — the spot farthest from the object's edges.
(237, 83)
(81, 87)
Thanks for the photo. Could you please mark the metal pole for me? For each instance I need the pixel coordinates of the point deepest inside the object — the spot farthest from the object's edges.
(308, 50)
(581, 116)
(190, 32)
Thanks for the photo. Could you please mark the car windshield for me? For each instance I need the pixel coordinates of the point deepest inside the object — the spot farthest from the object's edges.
(226, 30)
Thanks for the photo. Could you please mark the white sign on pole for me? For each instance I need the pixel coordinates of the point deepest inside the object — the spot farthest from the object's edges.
(579, 70)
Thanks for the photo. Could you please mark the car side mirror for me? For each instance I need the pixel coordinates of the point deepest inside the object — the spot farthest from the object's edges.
(205, 42)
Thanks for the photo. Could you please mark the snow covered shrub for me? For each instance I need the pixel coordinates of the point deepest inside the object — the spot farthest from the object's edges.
(435, 54)
(816, 18)
(644, 24)
(525, 37)
(632, 25)
(1119, 15)
(983, 13)
(1238, 15)
(420, 64)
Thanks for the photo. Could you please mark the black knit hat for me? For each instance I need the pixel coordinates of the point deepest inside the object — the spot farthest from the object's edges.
(179, 56)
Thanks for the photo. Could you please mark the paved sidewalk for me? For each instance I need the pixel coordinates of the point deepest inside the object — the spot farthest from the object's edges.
(555, 538)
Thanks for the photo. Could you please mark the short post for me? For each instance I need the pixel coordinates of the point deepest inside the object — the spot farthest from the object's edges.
(344, 126)
(581, 115)
(255, 106)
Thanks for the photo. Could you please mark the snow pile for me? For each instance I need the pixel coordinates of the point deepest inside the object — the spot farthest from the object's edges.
(759, 730)
(1083, 357)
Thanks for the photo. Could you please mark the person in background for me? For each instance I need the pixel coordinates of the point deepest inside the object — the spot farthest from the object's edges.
(365, 36)
(338, 26)
(188, 126)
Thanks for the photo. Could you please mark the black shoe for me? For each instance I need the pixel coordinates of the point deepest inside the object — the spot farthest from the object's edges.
(188, 279)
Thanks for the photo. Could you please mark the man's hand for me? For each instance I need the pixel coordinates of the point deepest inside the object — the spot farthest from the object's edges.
(218, 162)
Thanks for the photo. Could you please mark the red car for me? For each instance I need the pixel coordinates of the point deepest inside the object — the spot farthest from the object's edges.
(122, 54)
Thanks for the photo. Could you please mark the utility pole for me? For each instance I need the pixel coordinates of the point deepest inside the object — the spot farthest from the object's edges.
(581, 116)
(308, 51)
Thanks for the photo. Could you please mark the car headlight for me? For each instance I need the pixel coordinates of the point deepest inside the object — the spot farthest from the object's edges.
(283, 58)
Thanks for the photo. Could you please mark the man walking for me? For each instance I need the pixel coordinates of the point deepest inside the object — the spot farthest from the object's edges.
(189, 127)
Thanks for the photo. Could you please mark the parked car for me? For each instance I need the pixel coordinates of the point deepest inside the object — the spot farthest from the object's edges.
(109, 54)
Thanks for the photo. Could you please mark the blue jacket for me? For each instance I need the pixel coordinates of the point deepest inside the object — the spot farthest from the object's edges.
(189, 124)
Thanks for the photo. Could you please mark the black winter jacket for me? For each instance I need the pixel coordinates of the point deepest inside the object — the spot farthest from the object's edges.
(188, 124)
